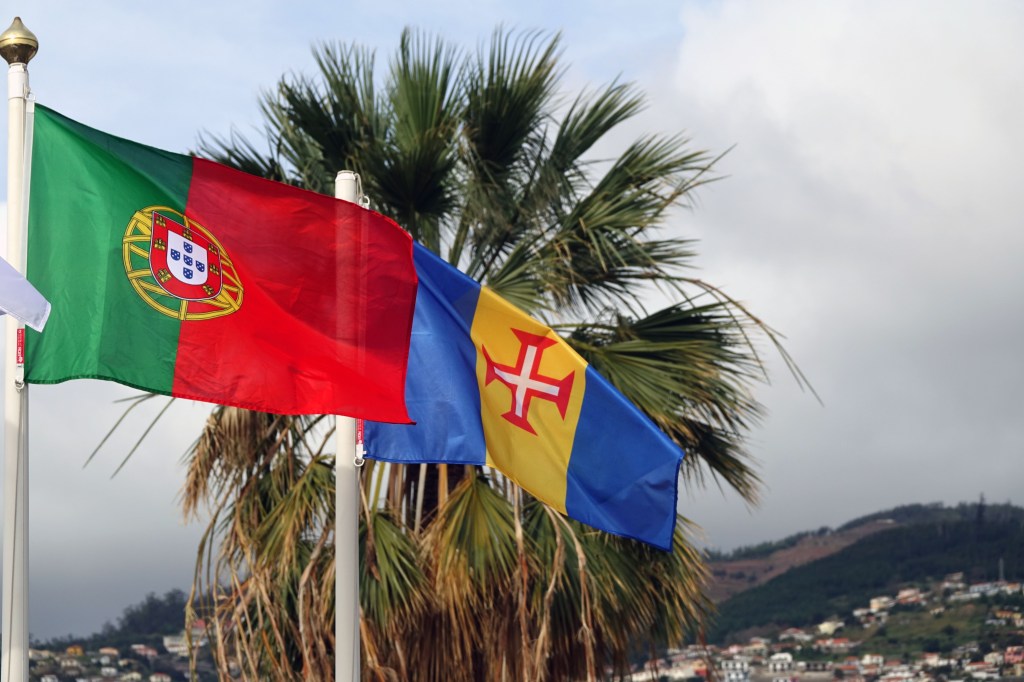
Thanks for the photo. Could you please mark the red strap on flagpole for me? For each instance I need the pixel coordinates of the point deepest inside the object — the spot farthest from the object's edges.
(360, 450)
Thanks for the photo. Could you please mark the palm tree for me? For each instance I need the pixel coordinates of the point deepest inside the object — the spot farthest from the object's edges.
(463, 576)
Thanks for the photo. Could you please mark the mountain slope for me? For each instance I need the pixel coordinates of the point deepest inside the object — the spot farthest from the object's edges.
(732, 576)
(924, 549)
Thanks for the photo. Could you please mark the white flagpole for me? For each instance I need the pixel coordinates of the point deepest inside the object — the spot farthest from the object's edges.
(17, 46)
(346, 520)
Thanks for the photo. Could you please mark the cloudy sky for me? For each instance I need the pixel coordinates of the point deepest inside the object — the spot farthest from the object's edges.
(870, 211)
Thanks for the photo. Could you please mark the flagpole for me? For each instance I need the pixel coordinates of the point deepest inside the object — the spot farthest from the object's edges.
(346, 519)
(17, 46)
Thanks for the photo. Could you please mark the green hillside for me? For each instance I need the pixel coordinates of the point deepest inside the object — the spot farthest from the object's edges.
(968, 538)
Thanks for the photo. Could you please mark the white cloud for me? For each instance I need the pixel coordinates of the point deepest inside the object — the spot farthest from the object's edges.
(871, 214)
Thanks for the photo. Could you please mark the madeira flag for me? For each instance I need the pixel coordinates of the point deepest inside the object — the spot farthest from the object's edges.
(181, 276)
(489, 385)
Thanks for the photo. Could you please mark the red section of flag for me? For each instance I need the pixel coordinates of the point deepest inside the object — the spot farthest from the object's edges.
(329, 291)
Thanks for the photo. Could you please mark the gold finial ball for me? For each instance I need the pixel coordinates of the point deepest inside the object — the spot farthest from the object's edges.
(18, 44)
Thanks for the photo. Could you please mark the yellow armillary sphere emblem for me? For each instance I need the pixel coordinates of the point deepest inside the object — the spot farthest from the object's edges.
(178, 267)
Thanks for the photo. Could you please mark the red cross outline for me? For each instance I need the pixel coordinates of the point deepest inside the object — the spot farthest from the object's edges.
(525, 380)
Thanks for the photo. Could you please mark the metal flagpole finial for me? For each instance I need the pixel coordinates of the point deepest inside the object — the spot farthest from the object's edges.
(18, 44)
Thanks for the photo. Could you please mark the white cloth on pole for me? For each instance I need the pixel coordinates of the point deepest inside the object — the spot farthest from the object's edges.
(19, 298)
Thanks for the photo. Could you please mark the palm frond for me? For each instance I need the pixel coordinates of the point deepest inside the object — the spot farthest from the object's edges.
(392, 584)
(413, 165)
(599, 250)
(690, 369)
(239, 152)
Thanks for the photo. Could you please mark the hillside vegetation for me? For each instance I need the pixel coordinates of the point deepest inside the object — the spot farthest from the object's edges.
(922, 543)
(759, 564)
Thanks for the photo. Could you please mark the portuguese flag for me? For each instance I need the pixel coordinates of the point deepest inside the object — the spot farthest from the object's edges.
(180, 276)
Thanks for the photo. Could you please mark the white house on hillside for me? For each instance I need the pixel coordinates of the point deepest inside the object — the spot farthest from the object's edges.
(780, 662)
(881, 604)
(829, 627)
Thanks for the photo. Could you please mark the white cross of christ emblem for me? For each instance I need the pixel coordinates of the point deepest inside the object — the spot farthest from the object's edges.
(525, 380)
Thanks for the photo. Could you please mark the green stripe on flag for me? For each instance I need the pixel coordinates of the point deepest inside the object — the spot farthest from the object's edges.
(86, 187)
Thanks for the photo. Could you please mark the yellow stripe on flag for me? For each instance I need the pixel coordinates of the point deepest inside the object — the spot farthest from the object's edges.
(525, 386)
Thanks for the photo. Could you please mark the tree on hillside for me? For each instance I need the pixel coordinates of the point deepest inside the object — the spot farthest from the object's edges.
(145, 621)
(159, 615)
(463, 577)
